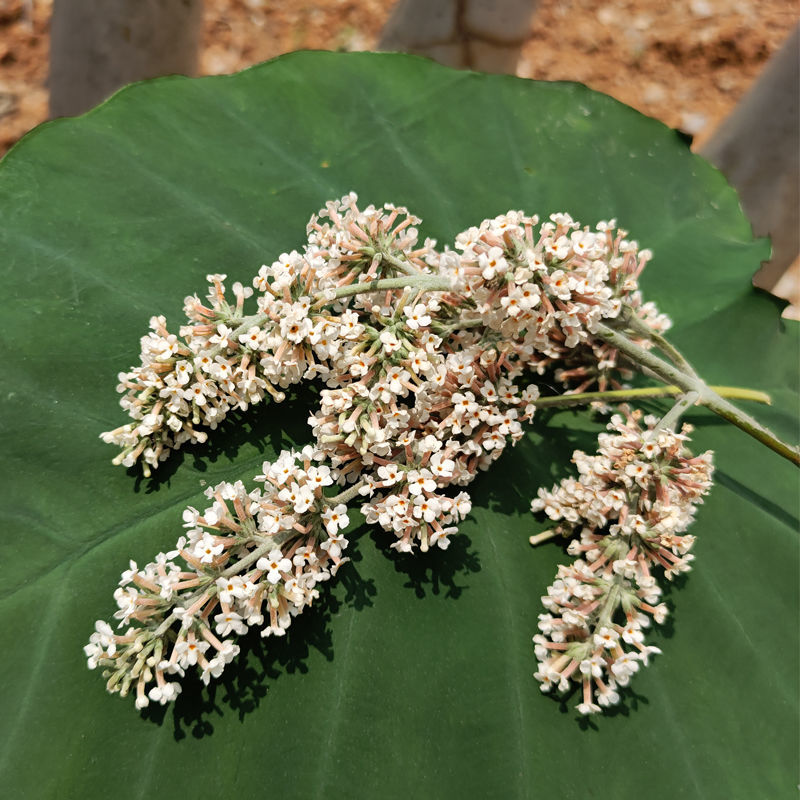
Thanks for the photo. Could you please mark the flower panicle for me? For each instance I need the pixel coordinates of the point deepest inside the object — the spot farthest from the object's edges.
(629, 509)
(543, 289)
(425, 358)
(250, 560)
(223, 359)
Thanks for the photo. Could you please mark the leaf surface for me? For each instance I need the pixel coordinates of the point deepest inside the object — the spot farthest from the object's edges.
(414, 676)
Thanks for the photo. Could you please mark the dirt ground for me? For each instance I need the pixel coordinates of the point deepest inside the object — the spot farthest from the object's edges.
(686, 63)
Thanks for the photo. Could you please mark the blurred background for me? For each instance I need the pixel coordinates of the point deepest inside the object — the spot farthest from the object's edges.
(689, 63)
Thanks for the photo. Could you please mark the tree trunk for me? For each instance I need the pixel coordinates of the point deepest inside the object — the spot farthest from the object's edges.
(757, 148)
(477, 34)
(98, 46)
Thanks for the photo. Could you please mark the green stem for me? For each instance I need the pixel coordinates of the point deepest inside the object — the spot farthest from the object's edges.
(624, 395)
(708, 397)
(421, 281)
(638, 325)
(243, 327)
(449, 328)
(544, 536)
(670, 419)
(347, 495)
(276, 540)
(611, 603)
(404, 266)
(242, 564)
(417, 280)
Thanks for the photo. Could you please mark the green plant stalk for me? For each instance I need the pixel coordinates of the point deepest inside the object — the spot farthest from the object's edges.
(684, 402)
(421, 281)
(347, 495)
(275, 540)
(707, 396)
(623, 395)
(405, 267)
(681, 375)
(638, 325)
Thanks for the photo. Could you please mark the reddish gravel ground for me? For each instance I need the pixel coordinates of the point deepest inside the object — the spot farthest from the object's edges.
(686, 63)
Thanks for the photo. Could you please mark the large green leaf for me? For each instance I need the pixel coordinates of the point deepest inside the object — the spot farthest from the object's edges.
(414, 676)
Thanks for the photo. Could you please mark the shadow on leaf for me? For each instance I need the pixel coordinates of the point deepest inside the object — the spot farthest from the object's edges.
(436, 571)
(244, 683)
(270, 428)
(629, 701)
(507, 488)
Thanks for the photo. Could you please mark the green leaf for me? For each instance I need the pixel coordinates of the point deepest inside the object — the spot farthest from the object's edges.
(414, 676)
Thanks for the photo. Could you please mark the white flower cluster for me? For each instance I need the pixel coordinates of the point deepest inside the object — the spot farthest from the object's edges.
(545, 294)
(225, 360)
(249, 559)
(548, 290)
(630, 507)
(423, 356)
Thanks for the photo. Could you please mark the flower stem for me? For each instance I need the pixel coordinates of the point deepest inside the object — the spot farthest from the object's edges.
(244, 326)
(404, 266)
(238, 566)
(544, 536)
(639, 326)
(623, 395)
(276, 540)
(347, 495)
(670, 419)
(611, 603)
(416, 280)
(688, 383)
(422, 281)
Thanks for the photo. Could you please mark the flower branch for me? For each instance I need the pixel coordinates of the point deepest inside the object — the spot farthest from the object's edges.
(428, 376)
(707, 396)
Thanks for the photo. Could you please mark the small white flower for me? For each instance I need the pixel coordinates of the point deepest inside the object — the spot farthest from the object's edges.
(660, 613)
(188, 651)
(225, 623)
(632, 634)
(606, 637)
(389, 341)
(419, 481)
(129, 574)
(592, 666)
(165, 693)
(274, 564)
(389, 474)
(417, 316)
(207, 548)
(334, 545)
(625, 666)
(646, 651)
(319, 476)
(607, 697)
(442, 467)
(335, 519)
(231, 589)
(492, 263)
